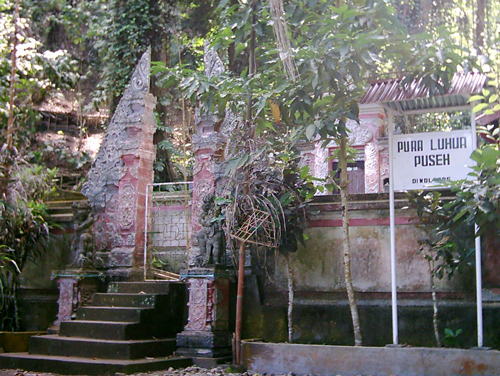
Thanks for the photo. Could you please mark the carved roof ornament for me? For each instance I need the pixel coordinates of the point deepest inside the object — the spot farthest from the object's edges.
(105, 172)
(359, 134)
(213, 63)
(211, 124)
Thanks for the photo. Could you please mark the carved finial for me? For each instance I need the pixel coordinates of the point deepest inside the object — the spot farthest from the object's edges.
(105, 171)
(139, 83)
(213, 63)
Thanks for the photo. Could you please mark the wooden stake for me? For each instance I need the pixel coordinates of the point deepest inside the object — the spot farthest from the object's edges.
(239, 301)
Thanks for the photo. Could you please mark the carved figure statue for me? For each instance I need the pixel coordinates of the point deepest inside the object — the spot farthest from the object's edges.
(82, 246)
(211, 239)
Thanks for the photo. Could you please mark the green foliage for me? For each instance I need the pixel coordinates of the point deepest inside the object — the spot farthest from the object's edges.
(269, 183)
(432, 122)
(475, 202)
(24, 233)
(336, 49)
(448, 246)
(8, 273)
(55, 153)
(450, 338)
(131, 26)
(437, 59)
(478, 198)
(37, 72)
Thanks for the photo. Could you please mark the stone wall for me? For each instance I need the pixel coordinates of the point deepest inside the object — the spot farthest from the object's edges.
(321, 310)
(318, 264)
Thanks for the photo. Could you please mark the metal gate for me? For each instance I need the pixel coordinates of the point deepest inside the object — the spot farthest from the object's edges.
(167, 229)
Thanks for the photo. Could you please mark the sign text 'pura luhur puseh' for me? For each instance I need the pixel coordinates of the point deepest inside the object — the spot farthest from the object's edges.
(420, 159)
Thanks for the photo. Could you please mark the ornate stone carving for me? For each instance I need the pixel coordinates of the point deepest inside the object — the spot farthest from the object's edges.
(201, 190)
(67, 299)
(321, 167)
(307, 159)
(384, 161)
(76, 288)
(197, 304)
(213, 63)
(82, 245)
(116, 183)
(207, 330)
(127, 206)
(359, 134)
(372, 169)
(211, 238)
(105, 170)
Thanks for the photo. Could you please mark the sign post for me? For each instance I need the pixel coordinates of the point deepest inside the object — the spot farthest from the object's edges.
(422, 161)
(394, 296)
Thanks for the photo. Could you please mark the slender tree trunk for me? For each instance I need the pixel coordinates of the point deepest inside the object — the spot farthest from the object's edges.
(480, 22)
(289, 277)
(9, 142)
(434, 304)
(346, 241)
(241, 266)
(425, 15)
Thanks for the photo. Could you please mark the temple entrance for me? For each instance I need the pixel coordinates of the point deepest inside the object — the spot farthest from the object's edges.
(166, 248)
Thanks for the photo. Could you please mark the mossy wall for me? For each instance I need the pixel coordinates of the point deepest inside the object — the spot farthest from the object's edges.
(321, 310)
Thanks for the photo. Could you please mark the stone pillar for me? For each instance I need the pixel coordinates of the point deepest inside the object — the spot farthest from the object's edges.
(76, 289)
(207, 337)
(116, 184)
(373, 118)
(208, 148)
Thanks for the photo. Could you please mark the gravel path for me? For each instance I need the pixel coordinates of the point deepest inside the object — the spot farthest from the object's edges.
(189, 371)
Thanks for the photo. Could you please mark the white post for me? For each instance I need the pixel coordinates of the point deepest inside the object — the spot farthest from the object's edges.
(146, 229)
(479, 291)
(479, 281)
(393, 235)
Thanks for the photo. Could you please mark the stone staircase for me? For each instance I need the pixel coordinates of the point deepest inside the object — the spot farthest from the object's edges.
(131, 328)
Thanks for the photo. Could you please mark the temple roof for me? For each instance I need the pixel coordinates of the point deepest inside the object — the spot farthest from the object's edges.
(415, 96)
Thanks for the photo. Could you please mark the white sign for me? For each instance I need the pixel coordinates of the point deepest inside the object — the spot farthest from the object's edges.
(419, 159)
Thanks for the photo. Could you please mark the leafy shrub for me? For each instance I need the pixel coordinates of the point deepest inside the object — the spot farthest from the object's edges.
(24, 232)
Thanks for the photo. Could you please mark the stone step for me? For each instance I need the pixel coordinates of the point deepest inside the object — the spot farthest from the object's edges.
(72, 365)
(59, 209)
(102, 349)
(62, 217)
(127, 300)
(61, 203)
(105, 330)
(156, 287)
(121, 332)
(120, 314)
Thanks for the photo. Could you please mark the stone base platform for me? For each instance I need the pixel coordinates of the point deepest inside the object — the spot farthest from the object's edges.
(276, 358)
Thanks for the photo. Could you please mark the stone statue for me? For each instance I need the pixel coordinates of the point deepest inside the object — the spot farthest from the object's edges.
(211, 239)
(82, 246)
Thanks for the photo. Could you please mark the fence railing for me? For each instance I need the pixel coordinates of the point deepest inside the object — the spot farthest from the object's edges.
(167, 229)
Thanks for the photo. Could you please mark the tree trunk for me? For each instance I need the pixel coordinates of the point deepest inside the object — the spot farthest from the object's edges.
(346, 242)
(8, 157)
(434, 304)
(289, 277)
(480, 21)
